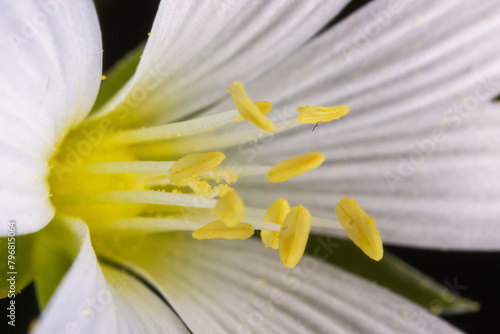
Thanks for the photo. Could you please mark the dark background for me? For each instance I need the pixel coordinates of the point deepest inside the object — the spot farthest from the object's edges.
(126, 23)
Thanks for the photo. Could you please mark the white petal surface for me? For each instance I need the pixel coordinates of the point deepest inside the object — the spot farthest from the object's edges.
(236, 287)
(50, 73)
(198, 48)
(419, 149)
(103, 300)
(137, 308)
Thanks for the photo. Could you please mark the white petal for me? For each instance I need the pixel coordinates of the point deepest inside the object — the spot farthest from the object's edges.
(137, 308)
(83, 299)
(402, 99)
(50, 73)
(233, 287)
(198, 48)
(426, 52)
(91, 299)
(422, 191)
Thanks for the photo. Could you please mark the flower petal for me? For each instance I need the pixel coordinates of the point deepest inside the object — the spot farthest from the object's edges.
(402, 61)
(50, 73)
(224, 286)
(422, 189)
(419, 149)
(196, 49)
(137, 308)
(103, 299)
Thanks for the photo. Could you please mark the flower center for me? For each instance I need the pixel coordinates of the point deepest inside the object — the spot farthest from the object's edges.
(173, 177)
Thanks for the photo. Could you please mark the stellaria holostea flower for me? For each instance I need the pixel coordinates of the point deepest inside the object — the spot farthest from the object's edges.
(417, 78)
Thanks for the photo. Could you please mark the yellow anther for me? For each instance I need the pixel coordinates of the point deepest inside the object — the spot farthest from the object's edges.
(293, 235)
(103, 77)
(359, 227)
(264, 107)
(193, 165)
(218, 230)
(275, 214)
(315, 114)
(249, 110)
(230, 208)
(295, 166)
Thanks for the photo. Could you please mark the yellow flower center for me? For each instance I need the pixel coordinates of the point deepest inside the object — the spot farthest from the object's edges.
(174, 177)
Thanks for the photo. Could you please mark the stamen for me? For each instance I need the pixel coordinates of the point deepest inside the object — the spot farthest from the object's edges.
(255, 214)
(315, 114)
(120, 167)
(208, 142)
(150, 224)
(167, 224)
(155, 197)
(293, 235)
(275, 214)
(252, 170)
(230, 209)
(359, 227)
(265, 108)
(174, 130)
(295, 166)
(193, 165)
(218, 230)
(247, 109)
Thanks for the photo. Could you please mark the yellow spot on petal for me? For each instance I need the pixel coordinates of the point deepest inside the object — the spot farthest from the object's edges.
(295, 166)
(315, 114)
(193, 165)
(103, 77)
(293, 235)
(149, 33)
(248, 109)
(218, 230)
(359, 227)
(230, 208)
(275, 214)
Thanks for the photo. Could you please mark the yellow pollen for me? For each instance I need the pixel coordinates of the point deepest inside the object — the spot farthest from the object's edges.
(275, 214)
(193, 165)
(230, 208)
(103, 77)
(359, 227)
(218, 230)
(295, 166)
(249, 110)
(315, 114)
(293, 235)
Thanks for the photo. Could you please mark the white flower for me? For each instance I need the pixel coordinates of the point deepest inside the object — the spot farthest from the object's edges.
(419, 150)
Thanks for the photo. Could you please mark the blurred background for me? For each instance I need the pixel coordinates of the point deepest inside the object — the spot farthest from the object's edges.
(125, 24)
